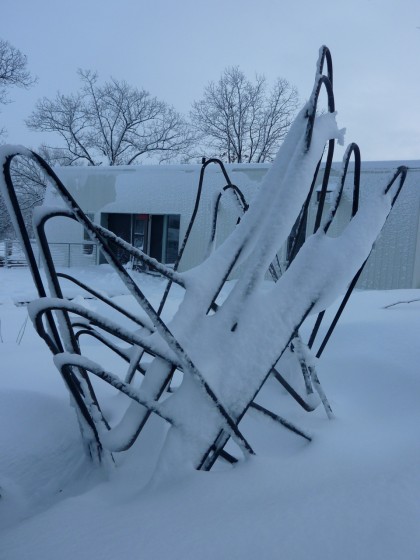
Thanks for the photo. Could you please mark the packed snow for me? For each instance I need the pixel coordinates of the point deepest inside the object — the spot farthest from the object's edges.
(352, 492)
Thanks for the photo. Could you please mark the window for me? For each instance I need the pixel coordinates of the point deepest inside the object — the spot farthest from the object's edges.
(157, 235)
(88, 248)
(172, 238)
(140, 226)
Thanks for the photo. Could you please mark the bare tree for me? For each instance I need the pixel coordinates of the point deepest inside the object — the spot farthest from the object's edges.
(13, 72)
(30, 184)
(239, 121)
(29, 180)
(115, 123)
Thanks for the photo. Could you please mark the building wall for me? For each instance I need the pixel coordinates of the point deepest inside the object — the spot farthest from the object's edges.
(171, 189)
(165, 189)
(392, 263)
(395, 258)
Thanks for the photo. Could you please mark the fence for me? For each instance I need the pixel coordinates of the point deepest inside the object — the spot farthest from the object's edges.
(63, 254)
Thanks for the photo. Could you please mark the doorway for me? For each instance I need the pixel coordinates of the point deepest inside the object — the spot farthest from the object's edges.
(157, 235)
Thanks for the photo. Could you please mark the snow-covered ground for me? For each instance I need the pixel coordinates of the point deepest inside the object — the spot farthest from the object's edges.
(351, 493)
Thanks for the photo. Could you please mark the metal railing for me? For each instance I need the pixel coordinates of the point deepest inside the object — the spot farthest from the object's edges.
(64, 254)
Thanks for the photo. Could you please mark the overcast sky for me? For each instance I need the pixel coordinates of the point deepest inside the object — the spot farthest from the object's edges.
(173, 48)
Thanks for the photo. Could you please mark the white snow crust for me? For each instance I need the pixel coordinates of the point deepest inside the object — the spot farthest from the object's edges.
(353, 492)
(294, 499)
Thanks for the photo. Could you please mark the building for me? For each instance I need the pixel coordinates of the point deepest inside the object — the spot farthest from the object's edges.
(150, 207)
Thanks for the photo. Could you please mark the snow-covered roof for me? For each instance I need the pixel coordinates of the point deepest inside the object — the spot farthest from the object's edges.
(171, 188)
(156, 188)
(381, 166)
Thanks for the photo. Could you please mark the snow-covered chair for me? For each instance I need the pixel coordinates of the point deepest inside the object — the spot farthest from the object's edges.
(225, 349)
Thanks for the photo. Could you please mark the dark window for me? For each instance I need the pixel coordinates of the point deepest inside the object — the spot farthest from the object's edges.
(88, 248)
(140, 224)
(156, 236)
(172, 238)
(120, 224)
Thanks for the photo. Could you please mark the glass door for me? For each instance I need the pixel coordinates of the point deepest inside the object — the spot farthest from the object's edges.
(140, 226)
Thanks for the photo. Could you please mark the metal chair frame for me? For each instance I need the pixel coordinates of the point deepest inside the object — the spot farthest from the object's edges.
(51, 313)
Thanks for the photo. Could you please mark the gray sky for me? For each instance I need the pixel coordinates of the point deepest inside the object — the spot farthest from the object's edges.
(174, 48)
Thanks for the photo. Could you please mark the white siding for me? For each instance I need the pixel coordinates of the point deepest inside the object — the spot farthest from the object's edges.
(171, 189)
